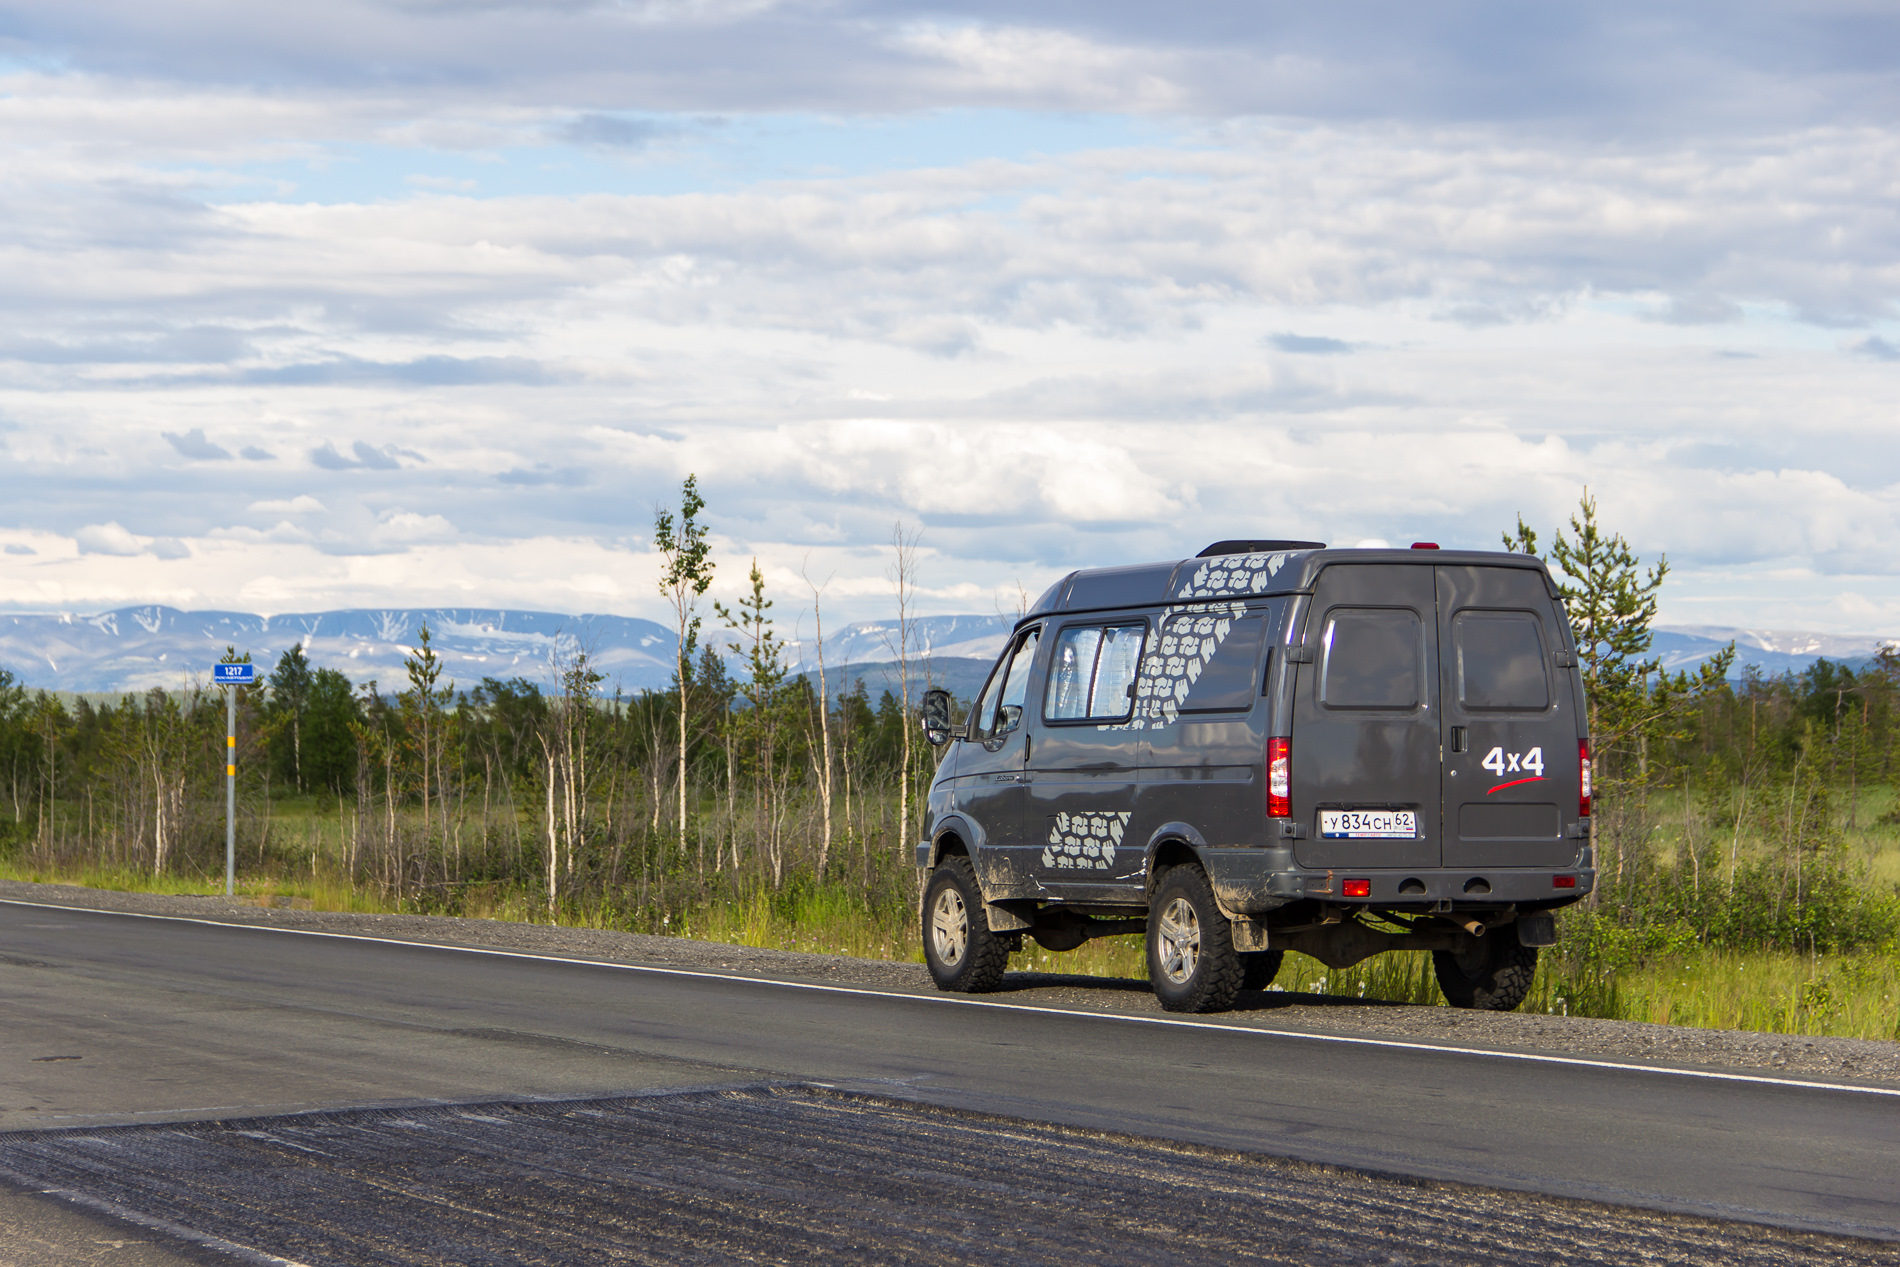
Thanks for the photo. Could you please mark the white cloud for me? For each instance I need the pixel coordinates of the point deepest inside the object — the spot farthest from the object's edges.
(405, 527)
(1105, 349)
(302, 504)
(108, 538)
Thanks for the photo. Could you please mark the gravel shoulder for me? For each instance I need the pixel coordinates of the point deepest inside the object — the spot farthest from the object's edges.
(1854, 1060)
(805, 1175)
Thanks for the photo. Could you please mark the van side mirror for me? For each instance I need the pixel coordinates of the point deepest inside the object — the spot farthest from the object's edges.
(938, 728)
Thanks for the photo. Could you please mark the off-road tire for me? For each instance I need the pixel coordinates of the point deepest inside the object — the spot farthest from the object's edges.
(1191, 959)
(1492, 973)
(1258, 968)
(964, 956)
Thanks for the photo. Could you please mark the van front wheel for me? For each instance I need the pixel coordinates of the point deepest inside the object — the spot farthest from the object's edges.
(1191, 959)
(1491, 973)
(962, 953)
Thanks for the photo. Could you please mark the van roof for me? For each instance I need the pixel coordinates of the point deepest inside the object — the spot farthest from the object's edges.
(1209, 578)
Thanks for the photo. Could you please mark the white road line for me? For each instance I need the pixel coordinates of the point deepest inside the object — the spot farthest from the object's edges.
(964, 1000)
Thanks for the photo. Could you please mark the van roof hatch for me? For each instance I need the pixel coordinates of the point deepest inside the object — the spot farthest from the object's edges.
(1258, 547)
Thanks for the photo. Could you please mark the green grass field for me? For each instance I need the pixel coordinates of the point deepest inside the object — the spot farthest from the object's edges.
(1773, 990)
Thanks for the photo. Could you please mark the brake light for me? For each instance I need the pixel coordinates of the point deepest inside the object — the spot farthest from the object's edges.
(1583, 778)
(1279, 778)
(1355, 888)
(1424, 545)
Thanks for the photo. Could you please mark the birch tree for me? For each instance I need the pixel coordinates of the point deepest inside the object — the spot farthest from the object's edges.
(821, 753)
(903, 574)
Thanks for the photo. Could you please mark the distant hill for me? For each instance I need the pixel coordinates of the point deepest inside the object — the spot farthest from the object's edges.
(1773, 651)
(135, 648)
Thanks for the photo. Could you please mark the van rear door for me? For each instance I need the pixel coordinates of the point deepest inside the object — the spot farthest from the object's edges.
(1511, 769)
(1366, 733)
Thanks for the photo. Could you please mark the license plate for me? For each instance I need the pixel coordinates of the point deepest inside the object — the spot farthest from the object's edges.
(1368, 824)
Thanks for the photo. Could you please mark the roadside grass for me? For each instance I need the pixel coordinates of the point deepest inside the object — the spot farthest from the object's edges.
(1849, 995)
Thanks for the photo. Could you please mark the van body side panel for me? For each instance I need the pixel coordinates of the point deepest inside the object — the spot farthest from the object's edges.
(1511, 794)
(1365, 716)
(1201, 757)
(991, 794)
(1082, 774)
(1206, 771)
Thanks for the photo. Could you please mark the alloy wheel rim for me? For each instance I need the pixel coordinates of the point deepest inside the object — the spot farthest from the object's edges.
(949, 926)
(1180, 940)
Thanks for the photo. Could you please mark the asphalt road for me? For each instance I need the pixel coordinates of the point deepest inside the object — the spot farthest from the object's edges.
(113, 1019)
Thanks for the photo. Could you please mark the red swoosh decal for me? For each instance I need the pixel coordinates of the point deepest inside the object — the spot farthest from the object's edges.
(1535, 778)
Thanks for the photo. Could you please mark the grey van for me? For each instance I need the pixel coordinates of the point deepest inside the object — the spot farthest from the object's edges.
(1271, 746)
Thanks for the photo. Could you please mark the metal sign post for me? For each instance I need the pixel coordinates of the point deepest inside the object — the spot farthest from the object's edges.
(230, 677)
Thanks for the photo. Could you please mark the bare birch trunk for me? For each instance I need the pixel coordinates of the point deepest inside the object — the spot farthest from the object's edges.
(554, 842)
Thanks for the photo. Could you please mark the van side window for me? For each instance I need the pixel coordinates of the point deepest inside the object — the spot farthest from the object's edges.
(1001, 709)
(1501, 661)
(1228, 661)
(1091, 671)
(1370, 658)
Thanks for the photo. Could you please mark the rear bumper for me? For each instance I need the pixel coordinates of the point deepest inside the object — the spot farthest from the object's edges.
(1255, 882)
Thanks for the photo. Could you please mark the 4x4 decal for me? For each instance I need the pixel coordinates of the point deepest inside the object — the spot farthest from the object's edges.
(1501, 763)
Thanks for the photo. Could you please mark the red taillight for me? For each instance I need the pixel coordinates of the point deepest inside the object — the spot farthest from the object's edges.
(1583, 777)
(1563, 882)
(1279, 778)
(1355, 888)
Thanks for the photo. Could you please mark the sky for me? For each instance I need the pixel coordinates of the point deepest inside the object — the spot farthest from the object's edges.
(435, 302)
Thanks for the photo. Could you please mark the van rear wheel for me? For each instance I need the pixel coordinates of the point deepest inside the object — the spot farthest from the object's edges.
(962, 953)
(1258, 968)
(1191, 960)
(1490, 973)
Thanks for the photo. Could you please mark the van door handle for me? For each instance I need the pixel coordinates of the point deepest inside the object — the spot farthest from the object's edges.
(1458, 741)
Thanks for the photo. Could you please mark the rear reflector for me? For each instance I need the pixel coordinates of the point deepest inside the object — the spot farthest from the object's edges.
(1424, 545)
(1583, 778)
(1563, 882)
(1279, 778)
(1355, 888)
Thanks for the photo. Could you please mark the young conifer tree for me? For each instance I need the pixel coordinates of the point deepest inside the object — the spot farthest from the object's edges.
(765, 663)
(687, 574)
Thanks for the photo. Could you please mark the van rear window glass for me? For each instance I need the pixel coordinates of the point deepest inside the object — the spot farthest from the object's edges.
(1090, 672)
(1500, 661)
(1370, 658)
(1227, 653)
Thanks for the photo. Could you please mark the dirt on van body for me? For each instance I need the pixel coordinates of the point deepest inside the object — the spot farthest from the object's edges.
(1828, 1059)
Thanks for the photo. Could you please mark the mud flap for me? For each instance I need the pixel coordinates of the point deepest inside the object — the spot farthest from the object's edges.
(1005, 918)
(1249, 935)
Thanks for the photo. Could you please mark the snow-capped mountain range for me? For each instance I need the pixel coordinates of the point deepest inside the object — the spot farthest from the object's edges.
(136, 648)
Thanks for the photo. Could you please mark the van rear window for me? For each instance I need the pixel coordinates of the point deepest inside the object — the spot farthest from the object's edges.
(1227, 652)
(1370, 658)
(1500, 661)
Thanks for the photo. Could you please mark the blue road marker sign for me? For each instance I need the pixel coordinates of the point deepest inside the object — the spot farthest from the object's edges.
(233, 674)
